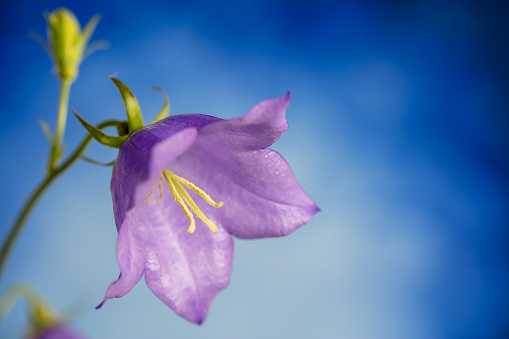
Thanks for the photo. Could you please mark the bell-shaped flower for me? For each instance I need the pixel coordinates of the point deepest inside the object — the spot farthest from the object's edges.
(182, 186)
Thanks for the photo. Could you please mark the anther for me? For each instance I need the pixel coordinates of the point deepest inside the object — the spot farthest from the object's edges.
(161, 185)
(198, 191)
(192, 205)
(185, 201)
(179, 201)
(148, 195)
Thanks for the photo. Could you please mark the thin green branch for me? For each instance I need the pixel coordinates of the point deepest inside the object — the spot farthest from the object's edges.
(98, 163)
(63, 103)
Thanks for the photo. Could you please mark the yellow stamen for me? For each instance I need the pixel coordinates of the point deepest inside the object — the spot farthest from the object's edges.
(148, 195)
(192, 205)
(179, 201)
(161, 185)
(184, 200)
(198, 191)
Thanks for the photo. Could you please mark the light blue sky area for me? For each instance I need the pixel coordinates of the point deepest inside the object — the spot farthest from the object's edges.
(398, 131)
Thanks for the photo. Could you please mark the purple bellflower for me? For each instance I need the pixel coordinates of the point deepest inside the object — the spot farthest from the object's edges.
(182, 186)
(45, 323)
(58, 332)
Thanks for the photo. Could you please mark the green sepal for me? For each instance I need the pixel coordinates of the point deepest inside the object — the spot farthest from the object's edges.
(99, 163)
(134, 118)
(97, 134)
(123, 128)
(89, 29)
(165, 111)
(41, 41)
(46, 130)
(42, 314)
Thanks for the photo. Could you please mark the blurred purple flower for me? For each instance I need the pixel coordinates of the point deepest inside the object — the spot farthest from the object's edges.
(58, 332)
(229, 160)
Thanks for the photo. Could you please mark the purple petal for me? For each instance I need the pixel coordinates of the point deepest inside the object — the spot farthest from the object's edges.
(139, 162)
(261, 196)
(131, 255)
(258, 128)
(175, 123)
(184, 270)
(164, 152)
(59, 332)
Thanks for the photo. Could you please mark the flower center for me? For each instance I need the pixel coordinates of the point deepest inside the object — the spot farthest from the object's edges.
(184, 200)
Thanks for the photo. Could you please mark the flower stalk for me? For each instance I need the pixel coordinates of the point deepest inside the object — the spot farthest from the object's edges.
(63, 105)
(66, 46)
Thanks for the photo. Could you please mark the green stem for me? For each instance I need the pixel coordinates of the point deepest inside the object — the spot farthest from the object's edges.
(40, 189)
(63, 104)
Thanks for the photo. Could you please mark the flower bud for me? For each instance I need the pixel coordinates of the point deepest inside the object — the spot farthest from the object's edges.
(67, 42)
(45, 323)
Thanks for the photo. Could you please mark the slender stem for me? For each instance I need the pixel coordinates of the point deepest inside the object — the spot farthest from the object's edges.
(40, 189)
(63, 103)
(65, 87)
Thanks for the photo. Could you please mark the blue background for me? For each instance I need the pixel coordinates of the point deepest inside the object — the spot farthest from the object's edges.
(399, 129)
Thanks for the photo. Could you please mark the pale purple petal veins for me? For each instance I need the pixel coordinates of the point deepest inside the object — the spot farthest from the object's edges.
(261, 195)
(175, 123)
(131, 253)
(167, 150)
(129, 170)
(184, 270)
(258, 128)
(139, 163)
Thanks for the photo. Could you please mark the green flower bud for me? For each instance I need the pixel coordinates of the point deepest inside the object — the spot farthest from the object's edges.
(67, 42)
(42, 315)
